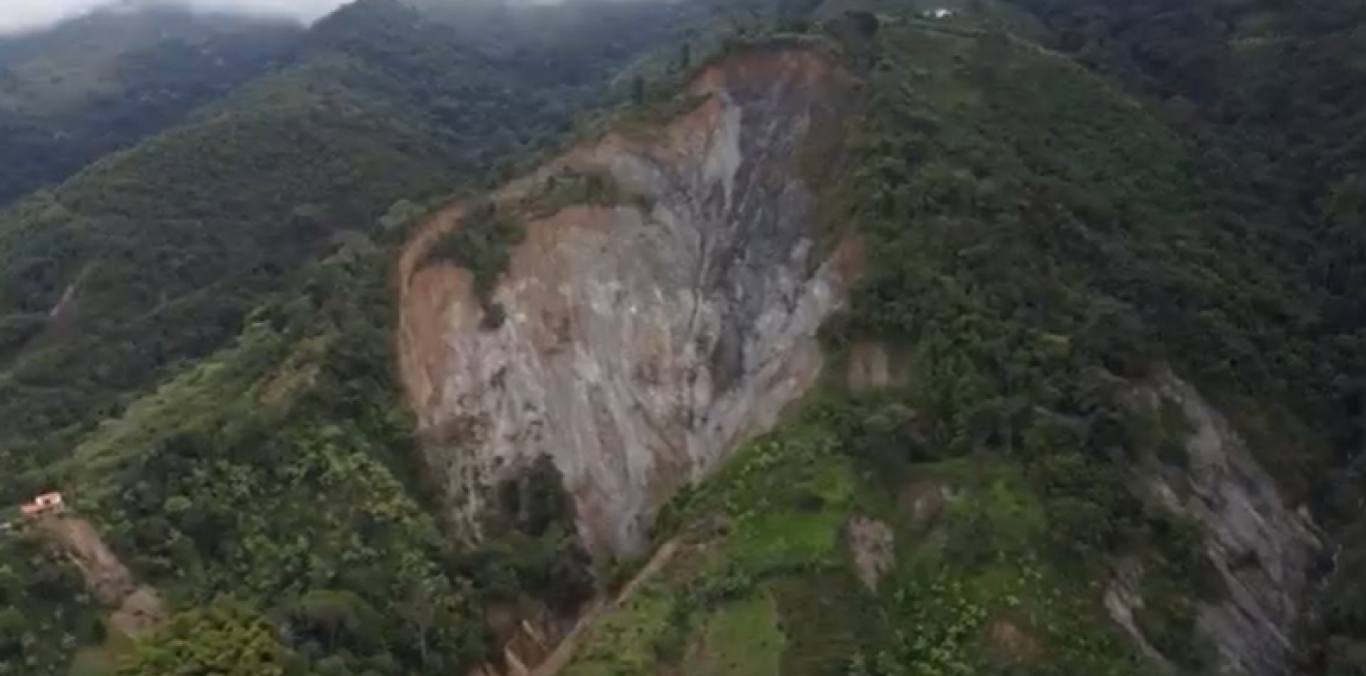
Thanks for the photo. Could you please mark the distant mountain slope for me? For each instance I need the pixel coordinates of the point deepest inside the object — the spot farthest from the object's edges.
(121, 288)
(161, 249)
(165, 306)
(88, 86)
(151, 257)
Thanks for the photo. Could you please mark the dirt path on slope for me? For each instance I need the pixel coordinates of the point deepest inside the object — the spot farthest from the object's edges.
(135, 608)
(564, 652)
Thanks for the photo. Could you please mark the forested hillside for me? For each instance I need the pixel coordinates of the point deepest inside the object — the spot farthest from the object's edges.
(73, 92)
(1276, 91)
(160, 251)
(1042, 247)
(223, 282)
(1090, 228)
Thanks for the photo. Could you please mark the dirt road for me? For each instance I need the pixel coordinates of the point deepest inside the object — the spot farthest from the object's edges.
(564, 653)
(135, 608)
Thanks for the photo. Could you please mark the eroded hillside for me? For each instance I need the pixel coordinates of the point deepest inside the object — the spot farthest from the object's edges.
(1007, 459)
(135, 609)
(1069, 410)
(638, 339)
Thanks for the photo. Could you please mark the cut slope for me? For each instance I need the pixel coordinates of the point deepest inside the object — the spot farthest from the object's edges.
(644, 340)
(176, 240)
(1037, 244)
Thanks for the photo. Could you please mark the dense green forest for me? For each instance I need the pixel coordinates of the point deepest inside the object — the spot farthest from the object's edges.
(72, 93)
(1063, 198)
(1274, 92)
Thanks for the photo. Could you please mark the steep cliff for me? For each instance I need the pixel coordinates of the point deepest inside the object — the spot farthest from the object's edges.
(974, 489)
(640, 341)
(1263, 550)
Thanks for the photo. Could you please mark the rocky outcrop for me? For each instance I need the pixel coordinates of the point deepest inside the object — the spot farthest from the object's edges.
(1263, 548)
(1122, 598)
(872, 546)
(642, 341)
(872, 366)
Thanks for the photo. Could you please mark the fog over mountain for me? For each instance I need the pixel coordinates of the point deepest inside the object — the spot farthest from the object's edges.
(19, 15)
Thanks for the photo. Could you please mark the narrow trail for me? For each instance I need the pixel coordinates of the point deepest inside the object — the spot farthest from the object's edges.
(564, 652)
(134, 608)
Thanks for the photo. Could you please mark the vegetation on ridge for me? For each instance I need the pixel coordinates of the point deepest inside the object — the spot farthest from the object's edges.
(195, 338)
(100, 83)
(164, 249)
(1040, 243)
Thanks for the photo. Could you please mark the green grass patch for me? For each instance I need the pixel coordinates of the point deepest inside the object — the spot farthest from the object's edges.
(102, 659)
(828, 618)
(985, 593)
(941, 609)
(792, 463)
(624, 642)
(739, 639)
(998, 518)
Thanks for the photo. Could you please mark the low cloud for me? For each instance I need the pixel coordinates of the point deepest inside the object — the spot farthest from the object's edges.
(18, 15)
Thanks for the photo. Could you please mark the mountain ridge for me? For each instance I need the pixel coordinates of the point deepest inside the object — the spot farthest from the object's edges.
(90, 86)
(1085, 408)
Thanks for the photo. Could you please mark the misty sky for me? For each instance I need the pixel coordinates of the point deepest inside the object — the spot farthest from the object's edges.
(20, 14)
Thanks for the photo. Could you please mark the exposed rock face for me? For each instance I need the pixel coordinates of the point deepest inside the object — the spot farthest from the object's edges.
(873, 367)
(1122, 599)
(873, 547)
(1262, 548)
(641, 343)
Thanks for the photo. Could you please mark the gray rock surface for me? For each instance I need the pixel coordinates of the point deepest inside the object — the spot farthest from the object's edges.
(643, 343)
(1263, 548)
